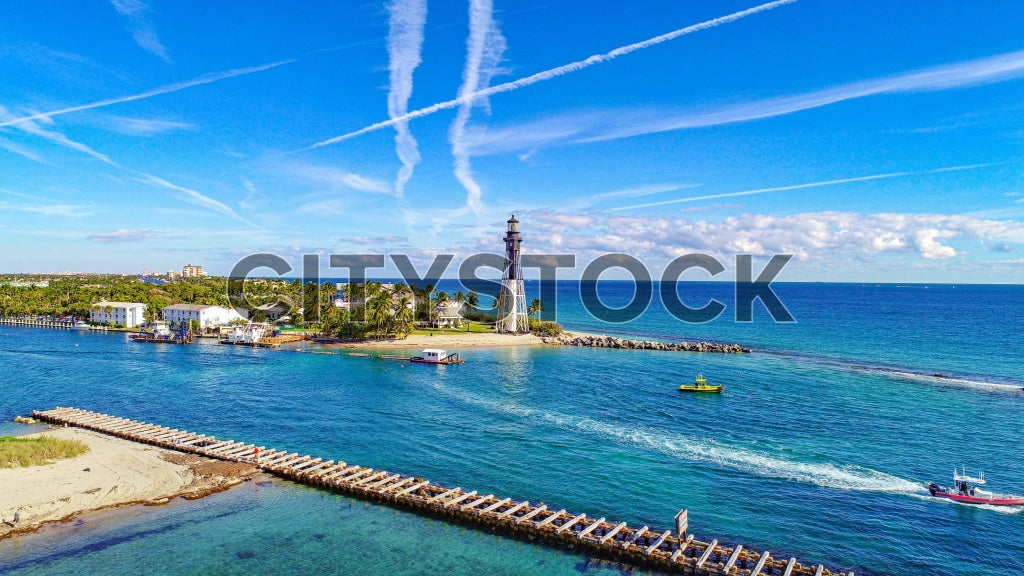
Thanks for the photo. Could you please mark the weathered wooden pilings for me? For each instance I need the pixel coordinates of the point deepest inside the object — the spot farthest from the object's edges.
(591, 341)
(655, 549)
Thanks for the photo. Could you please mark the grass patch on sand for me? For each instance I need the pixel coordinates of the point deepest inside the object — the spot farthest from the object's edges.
(23, 452)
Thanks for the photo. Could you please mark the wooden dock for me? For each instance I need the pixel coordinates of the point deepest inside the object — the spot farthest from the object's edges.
(657, 549)
(44, 323)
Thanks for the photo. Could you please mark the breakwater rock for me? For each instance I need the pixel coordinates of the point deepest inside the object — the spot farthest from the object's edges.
(570, 339)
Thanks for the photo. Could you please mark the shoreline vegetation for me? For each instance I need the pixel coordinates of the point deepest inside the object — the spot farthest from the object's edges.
(370, 315)
(20, 452)
(114, 472)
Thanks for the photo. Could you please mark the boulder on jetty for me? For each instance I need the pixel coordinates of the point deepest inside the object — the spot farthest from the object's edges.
(591, 341)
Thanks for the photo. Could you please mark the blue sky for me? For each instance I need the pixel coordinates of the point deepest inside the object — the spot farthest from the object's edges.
(875, 141)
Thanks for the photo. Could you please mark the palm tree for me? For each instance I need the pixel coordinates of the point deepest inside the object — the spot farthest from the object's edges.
(536, 307)
(378, 312)
(404, 315)
(473, 299)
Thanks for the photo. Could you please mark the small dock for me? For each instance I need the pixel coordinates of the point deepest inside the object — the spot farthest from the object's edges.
(45, 323)
(653, 548)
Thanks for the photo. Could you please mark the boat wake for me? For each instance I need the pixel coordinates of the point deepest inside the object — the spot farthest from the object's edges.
(1010, 386)
(941, 380)
(705, 450)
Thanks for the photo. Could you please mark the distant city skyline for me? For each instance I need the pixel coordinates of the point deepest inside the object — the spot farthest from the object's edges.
(875, 142)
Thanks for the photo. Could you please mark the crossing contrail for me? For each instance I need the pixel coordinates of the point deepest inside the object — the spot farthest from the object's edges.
(553, 72)
(208, 79)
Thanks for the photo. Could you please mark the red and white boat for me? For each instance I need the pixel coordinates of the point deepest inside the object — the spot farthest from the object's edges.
(965, 489)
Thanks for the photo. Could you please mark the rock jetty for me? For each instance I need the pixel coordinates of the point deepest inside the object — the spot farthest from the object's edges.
(570, 339)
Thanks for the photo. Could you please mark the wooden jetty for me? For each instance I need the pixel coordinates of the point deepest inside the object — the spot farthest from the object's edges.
(49, 323)
(661, 550)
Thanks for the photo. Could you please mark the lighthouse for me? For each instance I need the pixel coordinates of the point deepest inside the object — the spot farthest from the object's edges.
(511, 306)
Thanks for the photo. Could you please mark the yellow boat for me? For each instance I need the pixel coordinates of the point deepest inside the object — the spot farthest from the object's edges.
(700, 384)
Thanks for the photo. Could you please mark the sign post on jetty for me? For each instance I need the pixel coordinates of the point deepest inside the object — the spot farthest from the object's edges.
(682, 522)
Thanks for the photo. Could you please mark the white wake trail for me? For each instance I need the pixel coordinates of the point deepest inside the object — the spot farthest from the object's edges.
(701, 449)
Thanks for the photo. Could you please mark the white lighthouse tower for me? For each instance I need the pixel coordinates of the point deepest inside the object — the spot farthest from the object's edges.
(511, 307)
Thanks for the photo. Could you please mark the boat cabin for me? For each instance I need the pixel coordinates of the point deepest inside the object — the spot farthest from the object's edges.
(434, 354)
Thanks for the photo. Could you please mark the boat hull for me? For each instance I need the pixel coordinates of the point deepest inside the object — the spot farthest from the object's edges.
(686, 388)
(939, 492)
(420, 360)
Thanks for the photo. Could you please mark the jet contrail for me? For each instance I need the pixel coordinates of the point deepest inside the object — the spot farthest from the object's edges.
(209, 78)
(802, 186)
(484, 49)
(405, 44)
(554, 72)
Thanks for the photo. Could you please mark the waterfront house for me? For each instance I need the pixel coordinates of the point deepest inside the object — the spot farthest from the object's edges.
(448, 314)
(206, 316)
(275, 311)
(127, 314)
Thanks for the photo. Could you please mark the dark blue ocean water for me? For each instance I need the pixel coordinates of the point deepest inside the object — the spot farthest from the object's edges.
(820, 448)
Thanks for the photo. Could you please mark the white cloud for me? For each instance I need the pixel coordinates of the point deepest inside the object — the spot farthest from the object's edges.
(252, 198)
(142, 126)
(337, 179)
(812, 235)
(193, 197)
(137, 14)
(21, 151)
(368, 240)
(64, 210)
(121, 235)
(928, 243)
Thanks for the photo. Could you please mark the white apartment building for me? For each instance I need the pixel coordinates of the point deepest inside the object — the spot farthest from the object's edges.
(207, 316)
(128, 314)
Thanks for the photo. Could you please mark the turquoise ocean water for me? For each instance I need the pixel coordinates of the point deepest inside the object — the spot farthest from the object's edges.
(821, 446)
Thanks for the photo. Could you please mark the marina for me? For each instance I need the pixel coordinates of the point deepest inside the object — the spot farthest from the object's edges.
(61, 324)
(161, 332)
(665, 550)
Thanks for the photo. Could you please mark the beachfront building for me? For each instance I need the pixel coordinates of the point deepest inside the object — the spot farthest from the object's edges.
(127, 314)
(190, 271)
(206, 316)
(448, 314)
(276, 311)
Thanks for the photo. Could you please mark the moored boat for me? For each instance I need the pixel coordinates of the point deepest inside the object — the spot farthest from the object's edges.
(700, 384)
(161, 332)
(965, 489)
(437, 356)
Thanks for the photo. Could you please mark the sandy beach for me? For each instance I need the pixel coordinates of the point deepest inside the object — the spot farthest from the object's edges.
(450, 339)
(114, 472)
